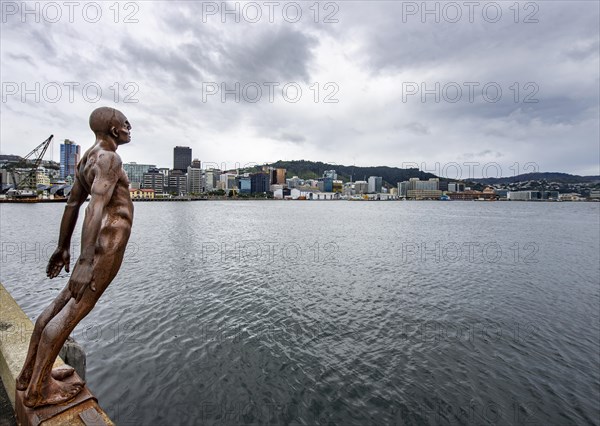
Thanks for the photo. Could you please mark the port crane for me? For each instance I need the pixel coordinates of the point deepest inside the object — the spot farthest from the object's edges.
(35, 157)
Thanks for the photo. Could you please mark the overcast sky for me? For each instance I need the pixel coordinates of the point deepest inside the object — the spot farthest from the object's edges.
(516, 86)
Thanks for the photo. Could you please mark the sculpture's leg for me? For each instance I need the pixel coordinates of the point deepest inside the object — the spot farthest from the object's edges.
(49, 313)
(43, 388)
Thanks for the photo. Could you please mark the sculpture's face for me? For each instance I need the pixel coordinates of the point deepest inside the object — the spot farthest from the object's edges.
(122, 132)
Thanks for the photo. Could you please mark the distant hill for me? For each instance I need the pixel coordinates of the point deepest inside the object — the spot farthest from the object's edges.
(313, 170)
(549, 177)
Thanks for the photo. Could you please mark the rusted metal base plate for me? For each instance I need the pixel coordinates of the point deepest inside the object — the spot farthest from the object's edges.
(34, 416)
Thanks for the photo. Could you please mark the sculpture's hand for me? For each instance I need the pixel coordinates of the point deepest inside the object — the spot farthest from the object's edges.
(59, 258)
(83, 276)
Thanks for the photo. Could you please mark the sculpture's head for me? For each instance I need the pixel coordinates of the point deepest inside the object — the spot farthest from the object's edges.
(106, 121)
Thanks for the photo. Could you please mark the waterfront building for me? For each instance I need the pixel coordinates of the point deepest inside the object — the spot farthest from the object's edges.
(281, 193)
(259, 183)
(402, 189)
(165, 172)
(41, 177)
(338, 186)
(348, 189)
(51, 169)
(141, 193)
(228, 181)
(420, 189)
(294, 182)
(177, 183)
(361, 187)
(211, 177)
(244, 184)
(432, 184)
(69, 157)
(532, 195)
(324, 196)
(194, 178)
(502, 193)
(135, 172)
(5, 179)
(182, 158)
(570, 197)
(424, 194)
(275, 187)
(456, 187)
(469, 195)
(374, 184)
(155, 180)
(278, 177)
(325, 184)
(299, 194)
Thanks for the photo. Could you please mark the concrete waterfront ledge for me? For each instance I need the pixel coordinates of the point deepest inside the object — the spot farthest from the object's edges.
(15, 332)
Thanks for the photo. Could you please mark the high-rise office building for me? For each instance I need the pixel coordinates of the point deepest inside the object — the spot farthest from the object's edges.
(325, 184)
(375, 183)
(278, 177)
(182, 158)
(135, 172)
(177, 183)
(456, 187)
(432, 184)
(69, 157)
(259, 183)
(154, 179)
(244, 184)
(211, 177)
(361, 187)
(194, 178)
(420, 189)
(402, 189)
(228, 180)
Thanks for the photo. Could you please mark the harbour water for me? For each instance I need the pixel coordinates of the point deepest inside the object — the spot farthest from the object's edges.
(267, 312)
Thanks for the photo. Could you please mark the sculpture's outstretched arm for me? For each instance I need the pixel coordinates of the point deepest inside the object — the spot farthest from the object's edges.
(61, 256)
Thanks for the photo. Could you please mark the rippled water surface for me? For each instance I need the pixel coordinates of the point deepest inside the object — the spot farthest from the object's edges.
(340, 313)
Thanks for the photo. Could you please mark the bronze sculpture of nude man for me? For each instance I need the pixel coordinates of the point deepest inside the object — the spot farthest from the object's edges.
(104, 236)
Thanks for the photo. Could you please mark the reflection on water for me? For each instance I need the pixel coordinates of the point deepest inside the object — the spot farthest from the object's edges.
(336, 312)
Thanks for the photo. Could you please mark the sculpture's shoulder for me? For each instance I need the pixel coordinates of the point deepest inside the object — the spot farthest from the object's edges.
(97, 162)
(98, 158)
(108, 160)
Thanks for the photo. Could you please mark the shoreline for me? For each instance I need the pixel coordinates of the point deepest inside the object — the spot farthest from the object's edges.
(35, 201)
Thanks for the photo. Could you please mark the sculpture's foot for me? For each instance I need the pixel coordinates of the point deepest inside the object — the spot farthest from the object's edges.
(61, 373)
(23, 379)
(53, 392)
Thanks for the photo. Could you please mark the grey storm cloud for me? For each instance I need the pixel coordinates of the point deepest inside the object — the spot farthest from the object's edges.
(241, 52)
(294, 138)
(371, 53)
(416, 127)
